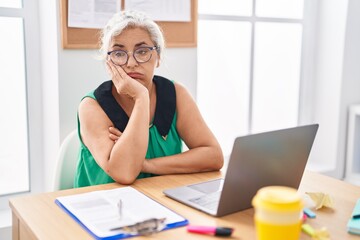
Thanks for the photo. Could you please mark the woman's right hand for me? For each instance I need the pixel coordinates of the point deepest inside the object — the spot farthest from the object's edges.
(124, 84)
(114, 133)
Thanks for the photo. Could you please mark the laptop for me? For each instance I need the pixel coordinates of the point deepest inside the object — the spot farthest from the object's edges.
(258, 160)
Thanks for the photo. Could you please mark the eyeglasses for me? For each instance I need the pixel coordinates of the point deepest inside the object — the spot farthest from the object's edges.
(141, 55)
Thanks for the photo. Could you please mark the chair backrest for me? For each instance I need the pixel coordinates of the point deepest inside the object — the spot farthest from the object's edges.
(66, 162)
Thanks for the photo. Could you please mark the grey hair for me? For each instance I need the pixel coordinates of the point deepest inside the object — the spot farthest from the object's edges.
(130, 19)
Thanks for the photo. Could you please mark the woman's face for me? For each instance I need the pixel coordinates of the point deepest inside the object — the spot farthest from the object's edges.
(130, 40)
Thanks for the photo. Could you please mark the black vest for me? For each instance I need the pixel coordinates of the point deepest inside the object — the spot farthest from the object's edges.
(165, 105)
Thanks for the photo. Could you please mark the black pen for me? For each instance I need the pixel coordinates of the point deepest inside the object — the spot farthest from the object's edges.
(356, 216)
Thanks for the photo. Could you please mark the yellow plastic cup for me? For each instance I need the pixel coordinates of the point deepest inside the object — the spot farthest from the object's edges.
(278, 213)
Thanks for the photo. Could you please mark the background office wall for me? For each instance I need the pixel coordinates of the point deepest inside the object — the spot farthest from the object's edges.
(337, 80)
(329, 51)
(68, 74)
(350, 89)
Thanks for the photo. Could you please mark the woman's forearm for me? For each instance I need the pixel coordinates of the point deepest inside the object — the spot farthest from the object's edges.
(128, 154)
(200, 159)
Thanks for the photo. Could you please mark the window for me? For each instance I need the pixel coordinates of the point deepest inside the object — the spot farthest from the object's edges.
(249, 61)
(19, 101)
(11, 3)
(13, 127)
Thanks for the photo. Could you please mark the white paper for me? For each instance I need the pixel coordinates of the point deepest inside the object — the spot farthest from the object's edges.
(91, 13)
(162, 10)
(99, 212)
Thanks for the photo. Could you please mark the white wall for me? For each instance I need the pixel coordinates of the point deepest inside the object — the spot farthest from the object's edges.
(79, 73)
(350, 92)
(337, 81)
(329, 53)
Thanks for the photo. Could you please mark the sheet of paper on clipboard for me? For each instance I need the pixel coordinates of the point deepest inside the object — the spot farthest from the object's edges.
(91, 13)
(162, 10)
(98, 211)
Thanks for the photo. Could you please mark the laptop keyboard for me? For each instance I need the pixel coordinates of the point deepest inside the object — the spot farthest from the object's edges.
(210, 201)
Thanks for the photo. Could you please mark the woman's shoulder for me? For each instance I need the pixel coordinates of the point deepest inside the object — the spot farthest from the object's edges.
(182, 92)
(90, 100)
(88, 103)
(179, 86)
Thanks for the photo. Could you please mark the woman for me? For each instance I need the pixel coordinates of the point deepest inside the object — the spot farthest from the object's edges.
(133, 126)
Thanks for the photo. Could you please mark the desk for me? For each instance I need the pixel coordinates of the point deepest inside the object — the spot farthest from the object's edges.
(38, 217)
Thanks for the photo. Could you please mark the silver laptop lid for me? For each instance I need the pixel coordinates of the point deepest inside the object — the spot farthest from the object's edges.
(264, 159)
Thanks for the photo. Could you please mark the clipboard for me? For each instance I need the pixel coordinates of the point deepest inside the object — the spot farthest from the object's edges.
(97, 212)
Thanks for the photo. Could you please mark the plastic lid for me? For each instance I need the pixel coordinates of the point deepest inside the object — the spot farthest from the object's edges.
(278, 198)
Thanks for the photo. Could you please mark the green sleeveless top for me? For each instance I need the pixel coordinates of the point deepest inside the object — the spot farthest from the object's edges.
(164, 139)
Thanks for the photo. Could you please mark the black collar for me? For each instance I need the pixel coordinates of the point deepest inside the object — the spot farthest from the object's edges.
(165, 105)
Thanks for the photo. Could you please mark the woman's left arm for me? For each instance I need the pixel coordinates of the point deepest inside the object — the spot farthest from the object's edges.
(204, 152)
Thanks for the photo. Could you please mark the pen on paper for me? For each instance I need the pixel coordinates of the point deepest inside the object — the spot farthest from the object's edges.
(120, 207)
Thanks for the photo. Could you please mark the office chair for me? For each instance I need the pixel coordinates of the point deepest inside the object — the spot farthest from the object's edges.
(66, 162)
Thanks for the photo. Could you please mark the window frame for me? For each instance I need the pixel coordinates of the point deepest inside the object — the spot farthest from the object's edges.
(29, 15)
(253, 20)
(306, 83)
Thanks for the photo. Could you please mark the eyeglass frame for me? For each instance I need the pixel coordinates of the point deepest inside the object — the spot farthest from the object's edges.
(133, 54)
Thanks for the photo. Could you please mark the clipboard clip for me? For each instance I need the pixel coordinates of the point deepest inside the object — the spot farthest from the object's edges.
(146, 227)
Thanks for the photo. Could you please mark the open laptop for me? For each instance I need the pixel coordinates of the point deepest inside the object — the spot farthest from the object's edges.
(264, 159)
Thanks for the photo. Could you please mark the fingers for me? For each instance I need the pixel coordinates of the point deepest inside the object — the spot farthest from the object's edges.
(123, 83)
(116, 70)
(113, 137)
(115, 75)
(119, 77)
(114, 133)
(110, 68)
(112, 71)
